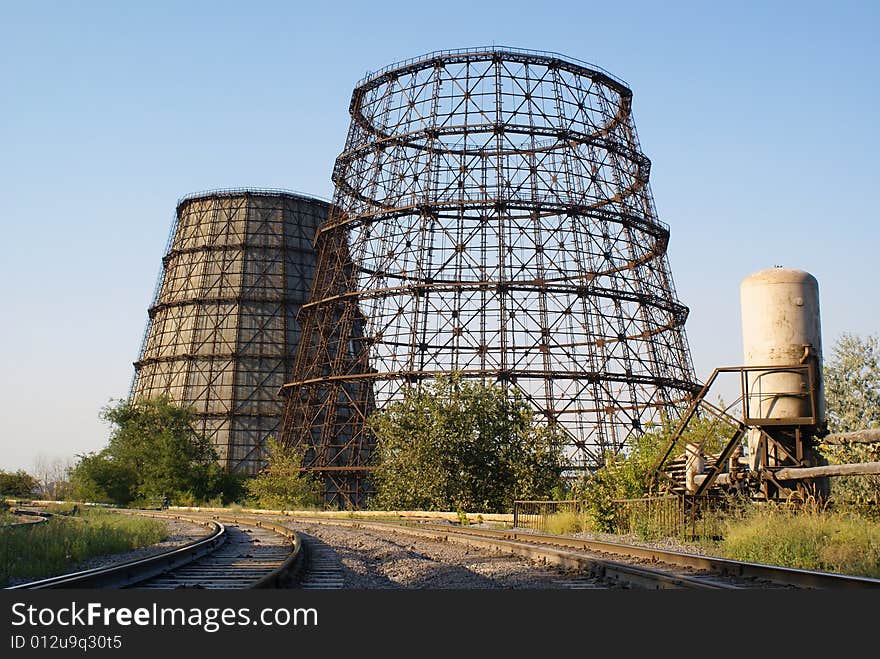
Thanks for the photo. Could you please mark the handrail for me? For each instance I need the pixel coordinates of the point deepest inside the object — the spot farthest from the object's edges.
(371, 75)
(264, 192)
(700, 400)
(685, 420)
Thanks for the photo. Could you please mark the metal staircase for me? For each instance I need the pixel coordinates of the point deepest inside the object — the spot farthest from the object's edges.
(780, 440)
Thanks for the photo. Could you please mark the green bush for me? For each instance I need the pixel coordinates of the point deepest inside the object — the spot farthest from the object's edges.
(153, 452)
(457, 444)
(626, 476)
(19, 484)
(283, 485)
(852, 394)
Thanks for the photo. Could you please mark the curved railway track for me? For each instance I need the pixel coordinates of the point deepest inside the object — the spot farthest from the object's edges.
(243, 554)
(695, 571)
(622, 564)
(28, 517)
(258, 551)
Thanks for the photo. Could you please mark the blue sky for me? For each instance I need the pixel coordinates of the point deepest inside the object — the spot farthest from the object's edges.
(761, 120)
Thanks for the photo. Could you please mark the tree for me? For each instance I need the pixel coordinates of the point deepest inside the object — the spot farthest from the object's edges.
(462, 445)
(53, 476)
(852, 401)
(153, 452)
(19, 484)
(99, 478)
(282, 484)
(852, 384)
(627, 475)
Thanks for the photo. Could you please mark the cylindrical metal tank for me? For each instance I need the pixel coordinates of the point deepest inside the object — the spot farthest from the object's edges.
(780, 325)
(223, 325)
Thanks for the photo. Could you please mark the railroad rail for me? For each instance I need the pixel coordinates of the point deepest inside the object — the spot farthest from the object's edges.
(30, 517)
(614, 572)
(243, 554)
(618, 562)
(308, 563)
(708, 567)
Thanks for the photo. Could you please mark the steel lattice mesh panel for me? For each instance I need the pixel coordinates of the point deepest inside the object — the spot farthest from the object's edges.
(492, 217)
(223, 326)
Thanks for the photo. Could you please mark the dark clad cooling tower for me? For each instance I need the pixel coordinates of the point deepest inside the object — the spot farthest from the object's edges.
(223, 328)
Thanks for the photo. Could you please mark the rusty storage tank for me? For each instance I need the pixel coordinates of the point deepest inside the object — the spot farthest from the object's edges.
(223, 329)
(781, 327)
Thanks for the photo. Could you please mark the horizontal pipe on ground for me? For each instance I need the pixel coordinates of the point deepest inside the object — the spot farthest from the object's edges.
(870, 436)
(427, 514)
(799, 473)
(720, 479)
(33, 518)
(438, 514)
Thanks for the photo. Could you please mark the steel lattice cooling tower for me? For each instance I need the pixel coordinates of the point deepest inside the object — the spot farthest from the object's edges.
(223, 328)
(492, 216)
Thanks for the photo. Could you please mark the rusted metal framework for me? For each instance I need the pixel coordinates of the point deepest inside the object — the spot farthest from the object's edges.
(760, 454)
(223, 329)
(492, 217)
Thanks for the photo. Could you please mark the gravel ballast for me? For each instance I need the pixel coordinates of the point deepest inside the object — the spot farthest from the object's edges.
(371, 560)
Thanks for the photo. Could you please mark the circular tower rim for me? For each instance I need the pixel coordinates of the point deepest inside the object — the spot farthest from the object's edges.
(480, 53)
(256, 192)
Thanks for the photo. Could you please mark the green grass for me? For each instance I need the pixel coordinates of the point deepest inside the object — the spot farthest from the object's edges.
(53, 547)
(566, 522)
(62, 508)
(814, 540)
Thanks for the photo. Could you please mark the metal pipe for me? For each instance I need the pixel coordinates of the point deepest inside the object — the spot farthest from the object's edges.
(720, 479)
(799, 473)
(856, 437)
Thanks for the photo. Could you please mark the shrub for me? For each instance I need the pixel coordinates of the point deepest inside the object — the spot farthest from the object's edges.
(18, 485)
(153, 452)
(283, 484)
(625, 476)
(457, 444)
(566, 522)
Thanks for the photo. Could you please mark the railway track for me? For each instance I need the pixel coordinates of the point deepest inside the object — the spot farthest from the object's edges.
(253, 551)
(746, 574)
(701, 571)
(314, 565)
(322, 568)
(630, 565)
(590, 568)
(591, 571)
(238, 555)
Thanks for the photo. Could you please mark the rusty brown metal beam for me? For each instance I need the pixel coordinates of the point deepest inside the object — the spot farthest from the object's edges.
(492, 217)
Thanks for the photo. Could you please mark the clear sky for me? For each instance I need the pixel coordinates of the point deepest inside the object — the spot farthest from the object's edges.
(760, 118)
